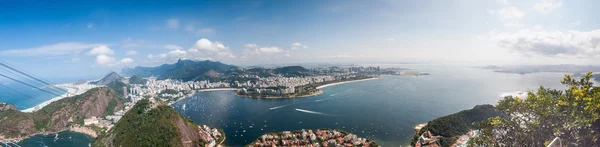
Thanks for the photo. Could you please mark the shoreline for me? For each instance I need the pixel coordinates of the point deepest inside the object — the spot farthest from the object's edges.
(82, 130)
(71, 88)
(308, 95)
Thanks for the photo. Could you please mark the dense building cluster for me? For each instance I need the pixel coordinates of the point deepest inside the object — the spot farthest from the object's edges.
(317, 138)
(211, 135)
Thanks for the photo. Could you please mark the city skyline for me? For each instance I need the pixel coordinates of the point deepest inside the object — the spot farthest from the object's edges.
(99, 37)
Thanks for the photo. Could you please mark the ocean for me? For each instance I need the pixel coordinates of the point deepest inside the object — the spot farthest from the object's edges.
(384, 109)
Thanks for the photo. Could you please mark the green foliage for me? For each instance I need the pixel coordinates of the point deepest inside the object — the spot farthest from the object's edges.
(186, 70)
(292, 71)
(137, 80)
(142, 126)
(571, 114)
(117, 86)
(457, 124)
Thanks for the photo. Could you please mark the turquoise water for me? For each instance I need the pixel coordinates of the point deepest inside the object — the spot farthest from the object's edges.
(384, 109)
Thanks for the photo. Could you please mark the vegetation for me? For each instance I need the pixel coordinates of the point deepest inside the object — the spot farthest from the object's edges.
(137, 80)
(144, 125)
(60, 114)
(571, 114)
(292, 71)
(452, 126)
(186, 70)
(118, 87)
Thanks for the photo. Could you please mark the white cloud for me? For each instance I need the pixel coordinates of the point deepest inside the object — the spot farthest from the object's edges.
(297, 45)
(173, 47)
(510, 16)
(547, 6)
(173, 23)
(391, 39)
(126, 61)
(129, 42)
(203, 49)
(131, 52)
(250, 45)
(50, 50)
(101, 50)
(104, 60)
(551, 43)
(90, 25)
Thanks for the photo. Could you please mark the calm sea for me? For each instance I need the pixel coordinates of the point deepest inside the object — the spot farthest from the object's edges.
(384, 109)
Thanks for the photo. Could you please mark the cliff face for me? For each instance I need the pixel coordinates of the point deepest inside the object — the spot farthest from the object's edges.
(6, 107)
(160, 123)
(59, 114)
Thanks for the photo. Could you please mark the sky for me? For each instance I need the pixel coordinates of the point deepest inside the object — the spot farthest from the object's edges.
(90, 38)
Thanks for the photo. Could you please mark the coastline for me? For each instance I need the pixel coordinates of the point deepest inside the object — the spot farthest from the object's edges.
(344, 82)
(71, 88)
(307, 95)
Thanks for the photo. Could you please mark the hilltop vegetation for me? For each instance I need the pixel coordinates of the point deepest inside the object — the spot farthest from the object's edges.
(149, 124)
(186, 70)
(137, 80)
(573, 115)
(452, 126)
(59, 115)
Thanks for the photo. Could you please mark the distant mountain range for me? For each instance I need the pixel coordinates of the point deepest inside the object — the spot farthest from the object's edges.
(186, 70)
(189, 70)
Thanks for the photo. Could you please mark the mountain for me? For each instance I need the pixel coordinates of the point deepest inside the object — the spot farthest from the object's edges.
(59, 115)
(292, 71)
(450, 127)
(111, 77)
(160, 124)
(137, 80)
(186, 70)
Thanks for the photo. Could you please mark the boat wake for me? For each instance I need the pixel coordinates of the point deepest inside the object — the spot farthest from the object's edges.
(333, 94)
(273, 108)
(313, 112)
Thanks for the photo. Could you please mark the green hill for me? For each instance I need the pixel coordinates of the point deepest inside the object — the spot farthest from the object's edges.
(186, 70)
(58, 115)
(137, 80)
(148, 124)
(452, 126)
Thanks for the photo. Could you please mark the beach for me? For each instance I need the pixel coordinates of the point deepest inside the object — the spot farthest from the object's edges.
(71, 88)
(337, 83)
(217, 89)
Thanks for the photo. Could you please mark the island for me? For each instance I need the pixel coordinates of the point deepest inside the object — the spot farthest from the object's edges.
(318, 137)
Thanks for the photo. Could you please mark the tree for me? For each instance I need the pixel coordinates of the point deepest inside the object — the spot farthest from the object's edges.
(571, 114)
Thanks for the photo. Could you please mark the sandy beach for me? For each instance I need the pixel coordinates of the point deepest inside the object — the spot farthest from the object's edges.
(338, 83)
(217, 89)
(71, 88)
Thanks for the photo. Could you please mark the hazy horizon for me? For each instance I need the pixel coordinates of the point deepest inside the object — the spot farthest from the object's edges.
(99, 37)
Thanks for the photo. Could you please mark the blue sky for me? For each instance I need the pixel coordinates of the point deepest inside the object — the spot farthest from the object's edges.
(91, 38)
